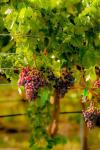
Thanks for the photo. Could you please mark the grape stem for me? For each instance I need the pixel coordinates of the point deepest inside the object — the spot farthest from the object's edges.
(34, 58)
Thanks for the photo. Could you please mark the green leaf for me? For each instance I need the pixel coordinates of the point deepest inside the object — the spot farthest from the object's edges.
(91, 73)
(44, 96)
(85, 92)
(89, 58)
(59, 139)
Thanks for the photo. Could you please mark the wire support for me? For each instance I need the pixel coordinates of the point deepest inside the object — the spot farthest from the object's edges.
(8, 85)
(10, 68)
(24, 114)
(18, 35)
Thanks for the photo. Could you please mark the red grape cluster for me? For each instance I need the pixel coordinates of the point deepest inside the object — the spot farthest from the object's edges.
(32, 80)
(97, 84)
(90, 116)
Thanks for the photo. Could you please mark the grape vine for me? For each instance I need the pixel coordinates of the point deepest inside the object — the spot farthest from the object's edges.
(56, 45)
(37, 83)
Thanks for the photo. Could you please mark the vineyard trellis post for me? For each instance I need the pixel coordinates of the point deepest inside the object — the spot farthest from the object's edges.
(83, 135)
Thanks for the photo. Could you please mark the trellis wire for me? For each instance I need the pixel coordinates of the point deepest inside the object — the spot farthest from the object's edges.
(14, 101)
(24, 114)
(8, 53)
(8, 85)
(18, 35)
(10, 68)
(12, 115)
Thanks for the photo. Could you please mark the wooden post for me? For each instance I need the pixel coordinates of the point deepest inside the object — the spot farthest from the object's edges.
(83, 135)
(53, 128)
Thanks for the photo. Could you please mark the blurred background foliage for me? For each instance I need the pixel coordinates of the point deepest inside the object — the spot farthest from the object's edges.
(15, 131)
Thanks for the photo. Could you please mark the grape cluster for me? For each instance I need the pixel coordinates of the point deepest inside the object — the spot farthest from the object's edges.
(90, 116)
(32, 80)
(97, 84)
(60, 84)
(64, 82)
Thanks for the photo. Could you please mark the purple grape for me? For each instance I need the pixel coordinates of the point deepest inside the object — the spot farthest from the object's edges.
(90, 116)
